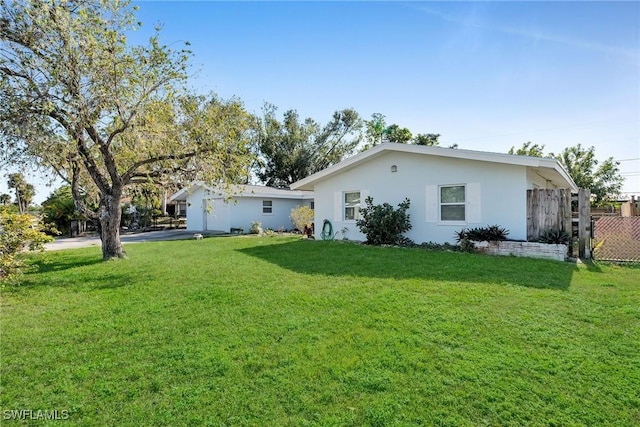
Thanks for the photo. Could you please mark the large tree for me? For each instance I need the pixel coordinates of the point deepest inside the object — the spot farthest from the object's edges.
(103, 114)
(293, 149)
(603, 179)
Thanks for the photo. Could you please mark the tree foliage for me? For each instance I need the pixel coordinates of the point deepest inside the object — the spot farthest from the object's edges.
(301, 217)
(293, 149)
(428, 139)
(23, 190)
(377, 132)
(603, 179)
(384, 225)
(395, 133)
(105, 115)
(17, 233)
(58, 210)
(529, 149)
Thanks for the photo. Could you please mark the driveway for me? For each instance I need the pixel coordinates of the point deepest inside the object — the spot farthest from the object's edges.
(149, 236)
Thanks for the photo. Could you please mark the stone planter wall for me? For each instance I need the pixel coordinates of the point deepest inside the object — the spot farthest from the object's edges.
(524, 249)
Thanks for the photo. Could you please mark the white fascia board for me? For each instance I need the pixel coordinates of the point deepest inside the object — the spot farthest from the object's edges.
(456, 153)
(181, 195)
(256, 191)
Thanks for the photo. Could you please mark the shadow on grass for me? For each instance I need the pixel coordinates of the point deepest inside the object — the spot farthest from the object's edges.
(47, 266)
(344, 259)
(39, 267)
(591, 266)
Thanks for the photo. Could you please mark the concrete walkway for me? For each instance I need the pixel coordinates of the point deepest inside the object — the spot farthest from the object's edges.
(149, 236)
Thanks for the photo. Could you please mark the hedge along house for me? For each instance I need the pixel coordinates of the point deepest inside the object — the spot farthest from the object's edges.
(210, 209)
(449, 189)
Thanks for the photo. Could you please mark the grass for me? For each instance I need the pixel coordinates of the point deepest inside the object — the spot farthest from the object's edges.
(277, 331)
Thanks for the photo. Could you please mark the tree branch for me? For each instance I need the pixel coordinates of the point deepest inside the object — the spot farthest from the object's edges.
(131, 172)
(77, 196)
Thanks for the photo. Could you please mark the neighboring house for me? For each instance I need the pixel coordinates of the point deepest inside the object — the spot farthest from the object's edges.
(449, 189)
(240, 206)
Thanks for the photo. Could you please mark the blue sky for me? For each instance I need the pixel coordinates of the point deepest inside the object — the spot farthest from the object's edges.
(484, 75)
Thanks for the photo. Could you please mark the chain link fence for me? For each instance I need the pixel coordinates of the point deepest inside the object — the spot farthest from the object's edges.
(617, 239)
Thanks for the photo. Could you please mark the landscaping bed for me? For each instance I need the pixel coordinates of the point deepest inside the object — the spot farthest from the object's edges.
(557, 252)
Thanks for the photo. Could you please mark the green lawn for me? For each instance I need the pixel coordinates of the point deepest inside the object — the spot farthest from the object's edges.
(279, 331)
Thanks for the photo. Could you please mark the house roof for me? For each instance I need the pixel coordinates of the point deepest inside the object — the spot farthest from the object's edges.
(259, 191)
(549, 169)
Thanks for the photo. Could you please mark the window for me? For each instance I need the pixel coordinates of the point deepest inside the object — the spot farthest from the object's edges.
(352, 206)
(267, 207)
(312, 205)
(452, 203)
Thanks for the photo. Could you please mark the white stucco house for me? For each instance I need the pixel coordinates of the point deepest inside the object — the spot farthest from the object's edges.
(449, 189)
(210, 209)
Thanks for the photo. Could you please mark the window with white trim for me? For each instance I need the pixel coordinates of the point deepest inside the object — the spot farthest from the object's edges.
(351, 205)
(453, 203)
(267, 207)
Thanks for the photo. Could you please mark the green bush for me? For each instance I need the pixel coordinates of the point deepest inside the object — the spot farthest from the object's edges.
(256, 228)
(491, 233)
(384, 225)
(301, 217)
(17, 233)
(58, 211)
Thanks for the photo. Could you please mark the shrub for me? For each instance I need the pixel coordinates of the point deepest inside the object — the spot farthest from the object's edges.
(557, 237)
(269, 232)
(16, 234)
(467, 245)
(256, 228)
(492, 233)
(301, 217)
(384, 225)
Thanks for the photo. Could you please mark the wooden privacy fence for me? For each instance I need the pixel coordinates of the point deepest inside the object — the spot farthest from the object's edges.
(547, 210)
(553, 210)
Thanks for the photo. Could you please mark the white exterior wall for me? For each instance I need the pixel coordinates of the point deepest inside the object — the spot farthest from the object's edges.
(249, 209)
(498, 188)
(206, 211)
(195, 218)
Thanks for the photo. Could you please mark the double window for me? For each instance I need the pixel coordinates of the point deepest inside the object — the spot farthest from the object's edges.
(351, 206)
(267, 207)
(453, 203)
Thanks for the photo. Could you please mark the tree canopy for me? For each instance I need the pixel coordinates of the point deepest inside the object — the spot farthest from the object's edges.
(291, 149)
(23, 190)
(429, 139)
(103, 114)
(377, 131)
(602, 178)
(529, 149)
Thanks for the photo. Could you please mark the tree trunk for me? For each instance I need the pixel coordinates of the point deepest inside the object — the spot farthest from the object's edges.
(109, 215)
